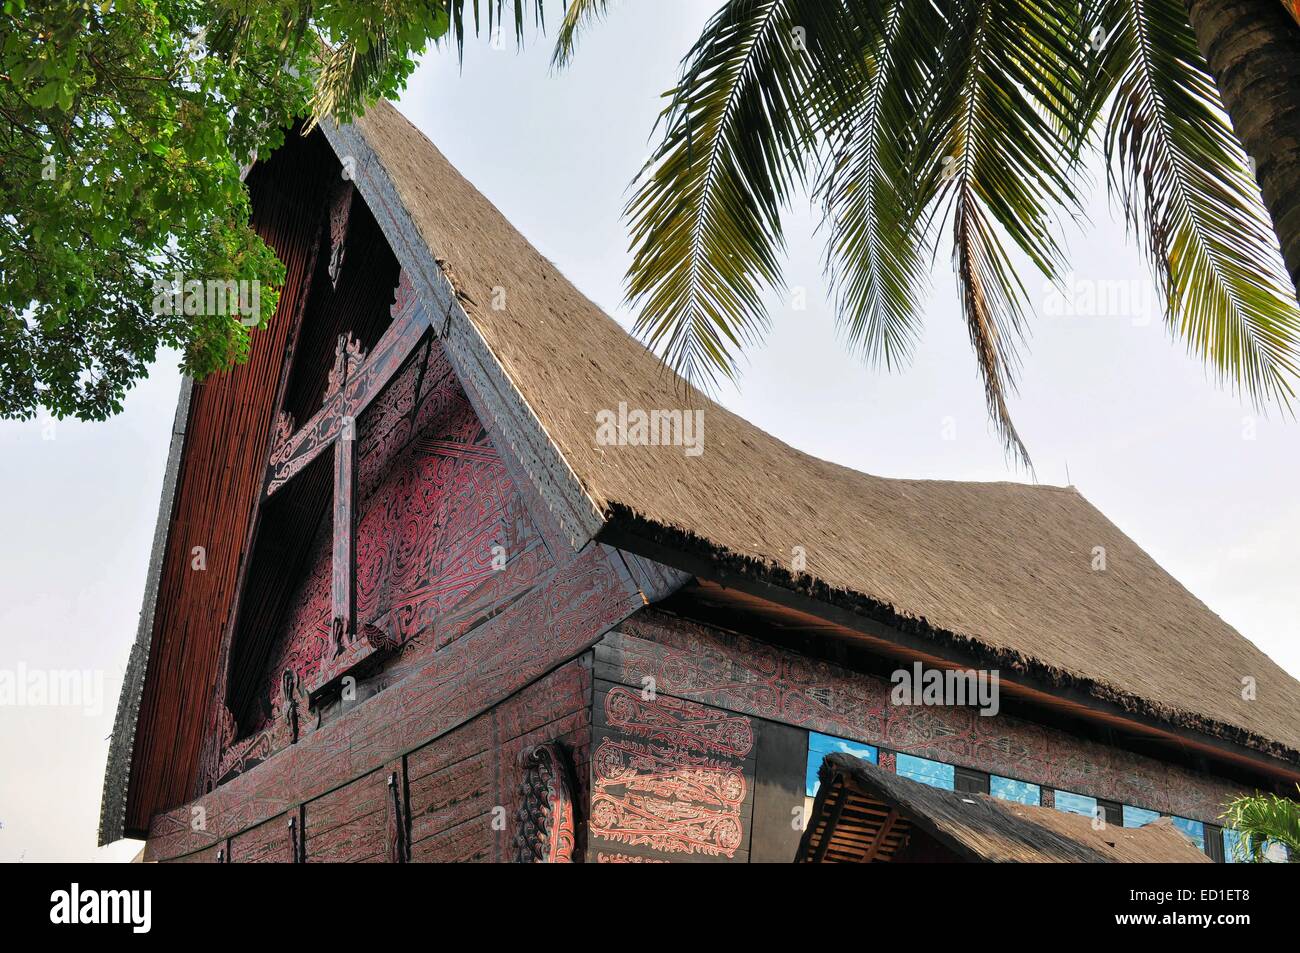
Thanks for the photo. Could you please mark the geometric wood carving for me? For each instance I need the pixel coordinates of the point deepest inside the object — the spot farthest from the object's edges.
(354, 381)
(670, 777)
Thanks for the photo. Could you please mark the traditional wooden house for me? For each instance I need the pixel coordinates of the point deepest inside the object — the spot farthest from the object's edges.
(451, 569)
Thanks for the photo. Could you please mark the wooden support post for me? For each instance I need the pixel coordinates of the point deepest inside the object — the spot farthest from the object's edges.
(343, 574)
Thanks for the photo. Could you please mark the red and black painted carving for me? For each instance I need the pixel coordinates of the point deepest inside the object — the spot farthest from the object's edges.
(546, 821)
(670, 778)
(339, 213)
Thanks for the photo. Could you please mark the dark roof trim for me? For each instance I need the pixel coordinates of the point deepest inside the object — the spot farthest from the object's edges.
(117, 772)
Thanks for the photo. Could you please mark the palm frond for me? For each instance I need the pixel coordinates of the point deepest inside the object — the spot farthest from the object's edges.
(997, 151)
(740, 131)
(1183, 183)
(873, 250)
(496, 19)
(1262, 819)
(372, 57)
(579, 15)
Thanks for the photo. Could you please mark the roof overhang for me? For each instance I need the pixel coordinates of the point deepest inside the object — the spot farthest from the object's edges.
(799, 605)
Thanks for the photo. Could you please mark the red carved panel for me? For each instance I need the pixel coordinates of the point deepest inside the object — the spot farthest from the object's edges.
(442, 536)
(464, 787)
(268, 843)
(546, 820)
(350, 824)
(669, 777)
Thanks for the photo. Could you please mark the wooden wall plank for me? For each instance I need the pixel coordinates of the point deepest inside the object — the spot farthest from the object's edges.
(781, 762)
(268, 842)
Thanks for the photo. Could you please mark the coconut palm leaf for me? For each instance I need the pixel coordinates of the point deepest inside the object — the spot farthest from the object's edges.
(1262, 819)
(996, 153)
(1185, 188)
(874, 254)
(739, 134)
(579, 15)
(496, 12)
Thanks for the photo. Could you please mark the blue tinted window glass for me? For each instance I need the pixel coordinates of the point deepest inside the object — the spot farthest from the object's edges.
(934, 773)
(1233, 845)
(1193, 829)
(1076, 803)
(819, 746)
(1138, 816)
(1235, 848)
(1010, 790)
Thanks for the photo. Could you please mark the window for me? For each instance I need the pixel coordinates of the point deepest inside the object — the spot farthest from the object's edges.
(1138, 816)
(1112, 812)
(819, 746)
(1076, 803)
(934, 773)
(1011, 790)
(1233, 846)
(1193, 829)
(970, 781)
(1214, 842)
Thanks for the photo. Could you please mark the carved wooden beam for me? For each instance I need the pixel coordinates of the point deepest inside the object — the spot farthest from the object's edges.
(343, 573)
(354, 382)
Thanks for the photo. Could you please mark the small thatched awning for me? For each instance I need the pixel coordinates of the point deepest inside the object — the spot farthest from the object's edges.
(864, 814)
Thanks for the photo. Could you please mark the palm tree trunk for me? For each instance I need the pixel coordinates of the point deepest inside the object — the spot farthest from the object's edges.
(1253, 49)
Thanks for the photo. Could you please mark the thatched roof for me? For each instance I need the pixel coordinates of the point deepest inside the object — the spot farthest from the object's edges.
(1001, 571)
(863, 813)
(1002, 568)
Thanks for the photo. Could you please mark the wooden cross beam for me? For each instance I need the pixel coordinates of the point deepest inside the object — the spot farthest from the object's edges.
(354, 382)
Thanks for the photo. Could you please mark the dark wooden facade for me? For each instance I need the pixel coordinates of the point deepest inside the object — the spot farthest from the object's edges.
(397, 653)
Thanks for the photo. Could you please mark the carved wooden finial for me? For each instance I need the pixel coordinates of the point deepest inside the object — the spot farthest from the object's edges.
(348, 357)
(545, 823)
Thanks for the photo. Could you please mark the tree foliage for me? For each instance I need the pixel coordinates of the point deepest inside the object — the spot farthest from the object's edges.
(916, 124)
(123, 129)
(1264, 819)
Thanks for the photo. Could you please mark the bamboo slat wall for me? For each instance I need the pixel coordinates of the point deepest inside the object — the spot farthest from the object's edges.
(220, 476)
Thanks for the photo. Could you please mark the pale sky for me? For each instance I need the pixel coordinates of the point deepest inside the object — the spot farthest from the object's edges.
(1185, 468)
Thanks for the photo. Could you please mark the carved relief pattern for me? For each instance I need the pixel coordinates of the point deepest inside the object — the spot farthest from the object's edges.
(348, 357)
(340, 211)
(666, 799)
(431, 509)
(737, 673)
(545, 824)
(293, 455)
(669, 775)
(675, 721)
